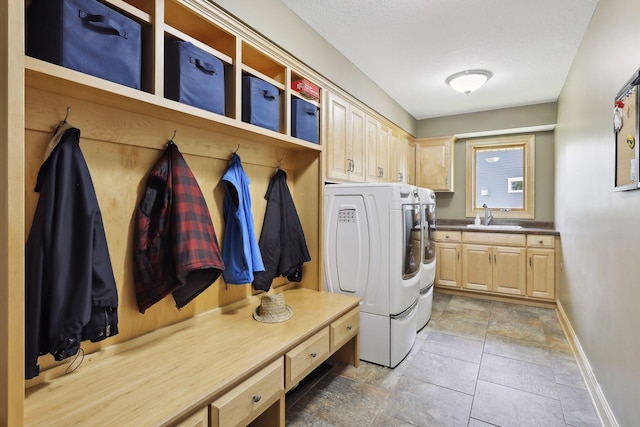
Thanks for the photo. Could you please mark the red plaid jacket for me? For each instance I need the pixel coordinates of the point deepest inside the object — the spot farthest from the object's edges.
(176, 249)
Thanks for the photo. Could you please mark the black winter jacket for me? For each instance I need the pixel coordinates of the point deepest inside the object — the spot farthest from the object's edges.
(282, 243)
(70, 293)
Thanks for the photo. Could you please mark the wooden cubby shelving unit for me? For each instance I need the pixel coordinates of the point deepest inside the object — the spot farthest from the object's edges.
(123, 132)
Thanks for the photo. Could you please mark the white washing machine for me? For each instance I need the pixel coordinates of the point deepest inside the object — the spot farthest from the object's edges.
(372, 249)
(428, 274)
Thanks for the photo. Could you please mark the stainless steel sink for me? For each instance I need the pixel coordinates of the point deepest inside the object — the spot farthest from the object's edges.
(495, 227)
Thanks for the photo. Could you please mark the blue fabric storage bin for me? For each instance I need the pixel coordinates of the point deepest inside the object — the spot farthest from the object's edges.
(193, 76)
(260, 103)
(86, 36)
(304, 120)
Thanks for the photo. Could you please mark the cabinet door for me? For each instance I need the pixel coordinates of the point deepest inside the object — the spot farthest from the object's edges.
(434, 163)
(403, 153)
(448, 264)
(337, 146)
(541, 273)
(394, 143)
(509, 270)
(371, 142)
(477, 263)
(384, 135)
(411, 162)
(356, 144)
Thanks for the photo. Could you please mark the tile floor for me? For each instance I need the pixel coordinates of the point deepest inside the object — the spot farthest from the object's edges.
(476, 363)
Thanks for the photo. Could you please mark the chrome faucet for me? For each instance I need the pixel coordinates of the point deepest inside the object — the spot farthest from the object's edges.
(488, 217)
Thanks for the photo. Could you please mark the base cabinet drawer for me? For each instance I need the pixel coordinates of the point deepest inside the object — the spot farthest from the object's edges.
(306, 357)
(250, 398)
(345, 328)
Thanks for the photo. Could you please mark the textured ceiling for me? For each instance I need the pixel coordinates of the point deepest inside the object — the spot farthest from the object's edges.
(409, 47)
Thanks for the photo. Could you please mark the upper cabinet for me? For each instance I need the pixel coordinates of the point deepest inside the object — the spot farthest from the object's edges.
(360, 146)
(411, 162)
(434, 163)
(377, 146)
(345, 139)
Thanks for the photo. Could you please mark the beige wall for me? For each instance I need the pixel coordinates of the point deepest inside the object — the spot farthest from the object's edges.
(493, 120)
(452, 205)
(284, 28)
(600, 228)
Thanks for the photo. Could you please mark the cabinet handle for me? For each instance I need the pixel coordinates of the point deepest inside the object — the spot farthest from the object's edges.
(313, 355)
(353, 165)
(446, 179)
(256, 398)
(495, 261)
(540, 241)
(489, 258)
(349, 327)
(458, 255)
(530, 262)
(446, 237)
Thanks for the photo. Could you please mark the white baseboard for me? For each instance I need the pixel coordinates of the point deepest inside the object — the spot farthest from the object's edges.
(593, 387)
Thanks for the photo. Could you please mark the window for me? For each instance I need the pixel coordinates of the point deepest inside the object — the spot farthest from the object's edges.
(500, 174)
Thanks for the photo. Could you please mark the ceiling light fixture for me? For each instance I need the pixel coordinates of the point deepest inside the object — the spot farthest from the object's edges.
(469, 80)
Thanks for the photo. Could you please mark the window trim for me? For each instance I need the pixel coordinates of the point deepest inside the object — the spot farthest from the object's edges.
(528, 175)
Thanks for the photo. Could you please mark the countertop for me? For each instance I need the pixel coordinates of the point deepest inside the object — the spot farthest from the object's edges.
(528, 227)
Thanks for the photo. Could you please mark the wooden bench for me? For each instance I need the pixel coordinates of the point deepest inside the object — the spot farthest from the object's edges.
(223, 369)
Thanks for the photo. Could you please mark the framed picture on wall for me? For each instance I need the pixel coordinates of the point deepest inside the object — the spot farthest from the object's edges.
(514, 185)
(625, 125)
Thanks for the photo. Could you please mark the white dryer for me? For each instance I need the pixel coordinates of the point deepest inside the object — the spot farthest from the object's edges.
(372, 249)
(428, 275)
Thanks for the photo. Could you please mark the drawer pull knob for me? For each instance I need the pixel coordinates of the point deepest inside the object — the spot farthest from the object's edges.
(256, 398)
(349, 328)
(540, 241)
(314, 354)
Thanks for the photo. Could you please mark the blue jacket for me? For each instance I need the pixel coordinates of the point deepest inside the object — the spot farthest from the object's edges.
(240, 250)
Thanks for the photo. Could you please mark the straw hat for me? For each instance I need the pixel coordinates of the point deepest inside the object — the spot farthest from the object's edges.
(272, 309)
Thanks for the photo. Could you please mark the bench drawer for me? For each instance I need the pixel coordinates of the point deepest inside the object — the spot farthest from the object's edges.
(345, 328)
(306, 357)
(250, 398)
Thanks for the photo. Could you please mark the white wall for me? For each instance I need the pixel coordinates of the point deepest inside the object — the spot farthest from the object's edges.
(600, 228)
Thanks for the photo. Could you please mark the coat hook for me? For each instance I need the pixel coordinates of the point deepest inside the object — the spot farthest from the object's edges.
(280, 161)
(237, 148)
(172, 138)
(67, 115)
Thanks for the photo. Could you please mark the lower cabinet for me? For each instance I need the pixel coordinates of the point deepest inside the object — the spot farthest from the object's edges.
(541, 268)
(494, 268)
(498, 263)
(448, 248)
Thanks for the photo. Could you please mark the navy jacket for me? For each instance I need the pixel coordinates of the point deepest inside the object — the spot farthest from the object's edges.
(282, 242)
(70, 294)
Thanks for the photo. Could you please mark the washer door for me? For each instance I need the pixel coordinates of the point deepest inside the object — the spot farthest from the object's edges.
(412, 240)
